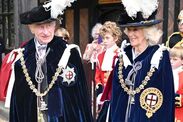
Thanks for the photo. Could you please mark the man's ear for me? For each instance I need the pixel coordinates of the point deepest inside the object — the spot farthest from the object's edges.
(31, 27)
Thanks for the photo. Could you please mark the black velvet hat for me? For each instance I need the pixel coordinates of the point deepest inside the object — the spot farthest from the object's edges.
(45, 13)
(126, 21)
(36, 15)
(134, 17)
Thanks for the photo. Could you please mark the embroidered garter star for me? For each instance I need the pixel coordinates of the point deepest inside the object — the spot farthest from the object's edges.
(68, 75)
(151, 99)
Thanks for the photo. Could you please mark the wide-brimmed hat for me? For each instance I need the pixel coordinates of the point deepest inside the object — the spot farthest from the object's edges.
(45, 13)
(138, 13)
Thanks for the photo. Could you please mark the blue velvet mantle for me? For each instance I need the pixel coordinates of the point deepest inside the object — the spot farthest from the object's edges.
(162, 79)
(65, 103)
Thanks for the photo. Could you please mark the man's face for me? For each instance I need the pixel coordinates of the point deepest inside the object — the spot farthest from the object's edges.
(44, 32)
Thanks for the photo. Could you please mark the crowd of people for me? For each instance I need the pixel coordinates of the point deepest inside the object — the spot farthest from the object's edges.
(139, 81)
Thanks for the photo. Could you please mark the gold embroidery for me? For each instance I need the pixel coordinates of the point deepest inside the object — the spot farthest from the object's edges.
(151, 100)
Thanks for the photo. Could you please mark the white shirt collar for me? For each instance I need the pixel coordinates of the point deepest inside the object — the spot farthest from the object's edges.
(41, 52)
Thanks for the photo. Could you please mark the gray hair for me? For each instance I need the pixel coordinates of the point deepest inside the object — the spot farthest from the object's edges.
(96, 29)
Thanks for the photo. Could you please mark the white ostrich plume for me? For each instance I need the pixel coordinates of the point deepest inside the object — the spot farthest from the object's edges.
(57, 7)
(147, 7)
(131, 7)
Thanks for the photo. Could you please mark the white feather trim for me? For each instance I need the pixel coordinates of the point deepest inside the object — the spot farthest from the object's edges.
(147, 7)
(131, 6)
(57, 7)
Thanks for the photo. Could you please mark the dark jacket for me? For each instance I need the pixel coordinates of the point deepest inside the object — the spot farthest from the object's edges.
(66, 103)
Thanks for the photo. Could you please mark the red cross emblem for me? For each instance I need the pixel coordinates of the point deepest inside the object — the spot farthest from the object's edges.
(69, 75)
(151, 99)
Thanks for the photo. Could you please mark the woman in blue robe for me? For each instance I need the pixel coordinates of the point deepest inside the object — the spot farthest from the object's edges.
(142, 86)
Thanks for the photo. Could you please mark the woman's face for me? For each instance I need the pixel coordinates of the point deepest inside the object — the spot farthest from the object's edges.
(44, 32)
(108, 40)
(136, 36)
(176, 62)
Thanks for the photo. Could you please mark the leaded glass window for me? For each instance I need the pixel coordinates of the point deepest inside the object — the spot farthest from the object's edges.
(7, 23)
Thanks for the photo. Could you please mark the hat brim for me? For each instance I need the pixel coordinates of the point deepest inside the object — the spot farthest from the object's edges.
(45, 21)
(142, 23)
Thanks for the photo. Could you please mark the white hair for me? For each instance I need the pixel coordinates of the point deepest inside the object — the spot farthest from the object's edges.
(96, 29)
(152, 34)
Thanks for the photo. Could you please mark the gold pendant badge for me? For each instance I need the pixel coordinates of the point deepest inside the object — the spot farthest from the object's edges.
(151, 100)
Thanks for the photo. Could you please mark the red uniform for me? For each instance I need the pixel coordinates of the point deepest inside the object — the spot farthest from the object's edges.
(102, 74)
(104, 68)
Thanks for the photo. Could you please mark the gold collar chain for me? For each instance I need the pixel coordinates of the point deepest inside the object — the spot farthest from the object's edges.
(123, 84)
(30, 83)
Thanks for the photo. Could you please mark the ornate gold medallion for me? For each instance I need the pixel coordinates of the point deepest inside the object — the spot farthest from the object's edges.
(151, 100)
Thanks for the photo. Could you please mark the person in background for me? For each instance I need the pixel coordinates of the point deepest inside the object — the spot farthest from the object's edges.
(62, 32)
(176, 59)
(49, 80)
(2, 49)
(111, 35)
(142, 86)
(176, 36)
(90, 57)
(93, 49)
